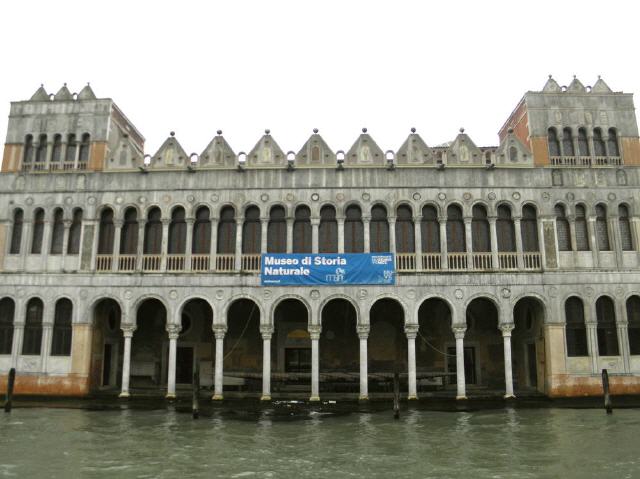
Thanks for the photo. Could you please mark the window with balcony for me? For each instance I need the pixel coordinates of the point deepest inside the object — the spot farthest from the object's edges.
(328, 230)
(302, 230)
(379, 230)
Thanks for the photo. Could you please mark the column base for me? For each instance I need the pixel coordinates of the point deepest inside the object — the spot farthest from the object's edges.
(314, 399)
(170, 396)
(265, 398)
(363, 398)
(412, 398)
(509, 396)
(217, 397)
(461, 398)
(124, 395)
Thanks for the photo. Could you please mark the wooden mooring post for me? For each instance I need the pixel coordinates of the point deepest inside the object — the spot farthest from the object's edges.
(195, 402)
(10, 383)
(396, 395)
(605, 390)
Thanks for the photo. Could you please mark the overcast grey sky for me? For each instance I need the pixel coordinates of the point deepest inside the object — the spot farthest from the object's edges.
(243, 66)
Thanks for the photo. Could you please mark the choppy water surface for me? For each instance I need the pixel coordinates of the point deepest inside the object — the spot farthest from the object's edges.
(422, 444)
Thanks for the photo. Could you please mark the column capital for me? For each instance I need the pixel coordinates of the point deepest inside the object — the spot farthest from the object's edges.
(315, 221)
(411, 330)
(173, 330)
(128, 330)
(363, 331)
(190, 221)
(118, 223)
(467, 220)
(459, 331)
(266, 330)
(417, 219)
(219, 330)
(67, 223)
(314, 331)
(506, 328)
(165, 221)
(391, 220)
(442, 219)
(366, 219)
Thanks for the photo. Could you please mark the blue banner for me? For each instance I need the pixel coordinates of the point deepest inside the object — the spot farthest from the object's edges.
(327, 269)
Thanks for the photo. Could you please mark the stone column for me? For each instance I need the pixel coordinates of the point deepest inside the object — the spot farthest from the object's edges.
(622, 325)
(493, 234)
(289, 235)
(188, 247)
(411, 331)
(469, 241)
(592, 153)
(592, 334)
(214, 244)
(47, 332)
(116, 245)
(140, 246)
(165, 243)
(266, 330)
(315, 228)
(635, 232)
(593, 242)
(219, 331)
(173, 331)
(506, 329)
(518, 234)
(615, 240)
(46, 242)
(340, 221)
(127, 332)
(264, 227)
(392, 234)
(458, 331)
(363, 335)
(25, 242)
(442, 220)
(572, 232)
(65, 240)
(366, 226)
(238, 259)
(314, 332)
(417, 235)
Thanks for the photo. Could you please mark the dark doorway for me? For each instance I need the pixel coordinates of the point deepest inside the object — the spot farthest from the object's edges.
(532, 366)
(184, 365)
(297, 360)
(469, 363)
(106, 369)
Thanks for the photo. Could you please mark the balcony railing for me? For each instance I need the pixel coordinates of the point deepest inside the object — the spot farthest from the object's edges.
(225, 262)
(200, 262)
(508, 260)
(405, 262)
(532, 261)
(431, 261)
(482, 261)
(127, 262)
(151, 262)
(175, 262)
(251, 263)
(457, 261)
(104, 262)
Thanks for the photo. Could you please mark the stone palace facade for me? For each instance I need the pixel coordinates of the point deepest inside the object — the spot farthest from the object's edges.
(518, 268)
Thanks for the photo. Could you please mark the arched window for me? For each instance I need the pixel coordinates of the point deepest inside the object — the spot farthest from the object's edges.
(251, 231)
(430, 230)
(353, 230)
(153, 232)
(201, 241)
(598, 143)
(602, 231)
(607, 332)
(405, 239)
(38, 231)
(480, 234)
(227, 231)
(106, 233)
(72, 146)
(455, 230)
(75, 230)
(554, 144)
(7, 310)
(505, 229)
(61, 339)
(328, 230)
(625, 228)
(302, 230)
(177, 231)
(529, 229)
(582, 231)
(567, 143)
(513, 154)
(56, 151)
(27, 157)
(612, 143)
(129, 233)
(379, 230)
(57, 233)
(41, 151)
(277, 230)
(583, 143)
(562, 229)
(633, 317)
(16, 231)
(83, 157)
(576, 331)
(32, 340)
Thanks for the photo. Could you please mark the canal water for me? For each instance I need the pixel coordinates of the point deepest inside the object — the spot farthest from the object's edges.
(502, 443)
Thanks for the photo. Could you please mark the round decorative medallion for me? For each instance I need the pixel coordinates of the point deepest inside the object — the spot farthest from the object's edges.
(619, 291)
(91, 200)
(219, 294)
(467, 196)
(290, 197)
(191, 198)
(166, 198)
(68, 200)
(214, 198)
(315, 197)
(142, 200)
(417, 196)
(458, 293)
(491, 196)
(264, 197)
(611, 196)
(553, 292)
(366, 196)
(588, 291)
(29, 200)
(84, 293)
(128, 294)
(515, 195)
(442, 196)
(119, 200)
(362, 293)
(49, 200)
(506, 293)
(546, 196)
(173, 294)
(266, 294)
(411, 294)
(340, 197)
(570, 196)
(315, 294)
